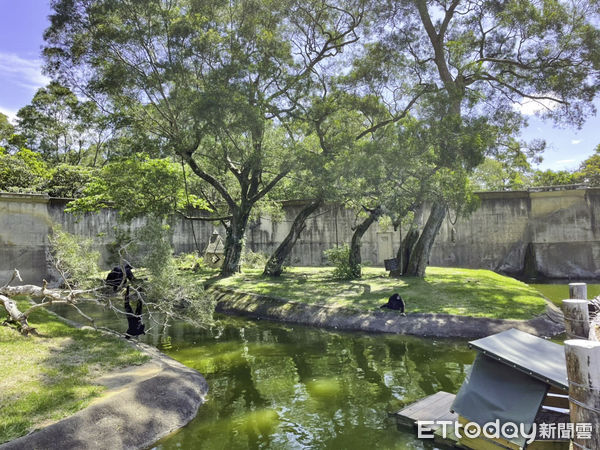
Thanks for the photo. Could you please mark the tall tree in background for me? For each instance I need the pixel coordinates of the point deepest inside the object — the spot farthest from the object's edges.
(589, 170)
(483, 59)
(214, 81)
(6, 131)
(62, 128)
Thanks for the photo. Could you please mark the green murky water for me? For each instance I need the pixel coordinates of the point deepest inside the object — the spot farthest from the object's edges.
(277, 386)
(559, 291)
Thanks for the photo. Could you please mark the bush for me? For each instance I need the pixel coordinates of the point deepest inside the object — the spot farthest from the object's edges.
(254, 260)
(75, 258)
(339, 258)
(190, 261)
(22, 172)
(166, 289)
(68, 181)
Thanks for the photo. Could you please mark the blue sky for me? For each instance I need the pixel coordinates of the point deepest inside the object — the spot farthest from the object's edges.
(22, 23)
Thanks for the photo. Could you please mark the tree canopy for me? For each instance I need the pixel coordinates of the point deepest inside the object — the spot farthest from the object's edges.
(387, 106)
(207, 79)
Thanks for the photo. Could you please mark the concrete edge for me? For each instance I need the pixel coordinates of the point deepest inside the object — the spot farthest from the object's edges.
(135, 415)
(232, 302)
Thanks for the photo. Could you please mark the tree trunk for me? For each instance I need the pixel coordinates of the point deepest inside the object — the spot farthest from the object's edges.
(274, 266)
(419, 258)
(404, 252)
(354, 258)
(234, 242)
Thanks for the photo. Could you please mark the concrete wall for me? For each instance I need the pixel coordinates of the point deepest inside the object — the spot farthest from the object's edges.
(561, 226)
(24, 227)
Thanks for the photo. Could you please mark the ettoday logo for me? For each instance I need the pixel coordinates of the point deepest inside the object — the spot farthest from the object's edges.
(507, 430)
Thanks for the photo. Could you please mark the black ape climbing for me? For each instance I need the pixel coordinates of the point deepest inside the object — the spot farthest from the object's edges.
(135, 327)
(115, 277)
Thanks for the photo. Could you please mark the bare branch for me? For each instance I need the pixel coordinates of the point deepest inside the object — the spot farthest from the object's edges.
(16, 274)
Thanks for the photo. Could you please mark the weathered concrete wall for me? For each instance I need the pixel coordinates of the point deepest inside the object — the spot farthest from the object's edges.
(24, 227)
(331, 225)
(562, 227)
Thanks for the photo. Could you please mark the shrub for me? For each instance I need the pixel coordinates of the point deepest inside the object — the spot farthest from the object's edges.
(22, 172)
(68, 181)
(254, 260)
(190, 261)
(75, 258)
(339, 258)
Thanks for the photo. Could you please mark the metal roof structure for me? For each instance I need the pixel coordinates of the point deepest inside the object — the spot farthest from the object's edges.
(509, 380)
(534, 356)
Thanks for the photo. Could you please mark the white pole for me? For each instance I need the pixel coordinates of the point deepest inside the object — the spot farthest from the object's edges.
(578, 290)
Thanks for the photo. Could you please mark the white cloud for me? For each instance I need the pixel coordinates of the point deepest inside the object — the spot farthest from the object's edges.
(23, 72)
(563, 164)
(576, 141)
(10, 113)
(530, 107)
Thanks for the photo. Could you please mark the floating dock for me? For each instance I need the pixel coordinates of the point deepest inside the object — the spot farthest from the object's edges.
(436, 407)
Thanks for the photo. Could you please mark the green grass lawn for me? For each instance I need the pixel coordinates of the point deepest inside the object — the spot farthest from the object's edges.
(466, 292)
(49, 377)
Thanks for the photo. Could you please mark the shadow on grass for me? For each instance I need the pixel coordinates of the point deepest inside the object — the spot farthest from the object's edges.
(66, 360)
(466, 292)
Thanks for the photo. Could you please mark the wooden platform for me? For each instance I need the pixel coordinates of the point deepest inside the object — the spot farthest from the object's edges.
(435, 407)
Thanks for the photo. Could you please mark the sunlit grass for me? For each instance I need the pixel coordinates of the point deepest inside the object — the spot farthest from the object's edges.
(46, 378)
(467, 292)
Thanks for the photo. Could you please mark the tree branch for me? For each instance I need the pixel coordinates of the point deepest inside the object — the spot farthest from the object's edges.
(210, 180)
(269, 186)
(204, 219)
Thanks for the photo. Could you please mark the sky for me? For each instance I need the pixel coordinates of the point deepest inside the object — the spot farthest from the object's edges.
(22, 24)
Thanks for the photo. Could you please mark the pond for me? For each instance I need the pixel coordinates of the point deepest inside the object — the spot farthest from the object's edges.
(558, 290)
(276, 386)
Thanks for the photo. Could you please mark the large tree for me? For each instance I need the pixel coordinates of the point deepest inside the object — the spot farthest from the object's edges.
(589, 170)
(6, 131)
(214, 81)
(482, 59)
(62, 128)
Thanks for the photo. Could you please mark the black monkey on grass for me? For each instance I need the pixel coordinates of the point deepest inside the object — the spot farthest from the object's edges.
(396, 303)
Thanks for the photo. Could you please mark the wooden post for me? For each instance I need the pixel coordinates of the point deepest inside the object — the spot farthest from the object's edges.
(577, 318)
(578, 290)
(583, 370)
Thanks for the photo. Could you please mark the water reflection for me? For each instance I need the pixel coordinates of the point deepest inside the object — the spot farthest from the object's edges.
(276, 386)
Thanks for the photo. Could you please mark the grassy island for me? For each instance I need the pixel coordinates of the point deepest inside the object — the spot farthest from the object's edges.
(465, 292)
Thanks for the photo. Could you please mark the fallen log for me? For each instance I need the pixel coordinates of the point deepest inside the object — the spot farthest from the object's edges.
(48, 297)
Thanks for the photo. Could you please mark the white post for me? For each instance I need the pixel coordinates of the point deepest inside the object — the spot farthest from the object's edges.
(577, 318)
(578, 290)
(583, 371)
